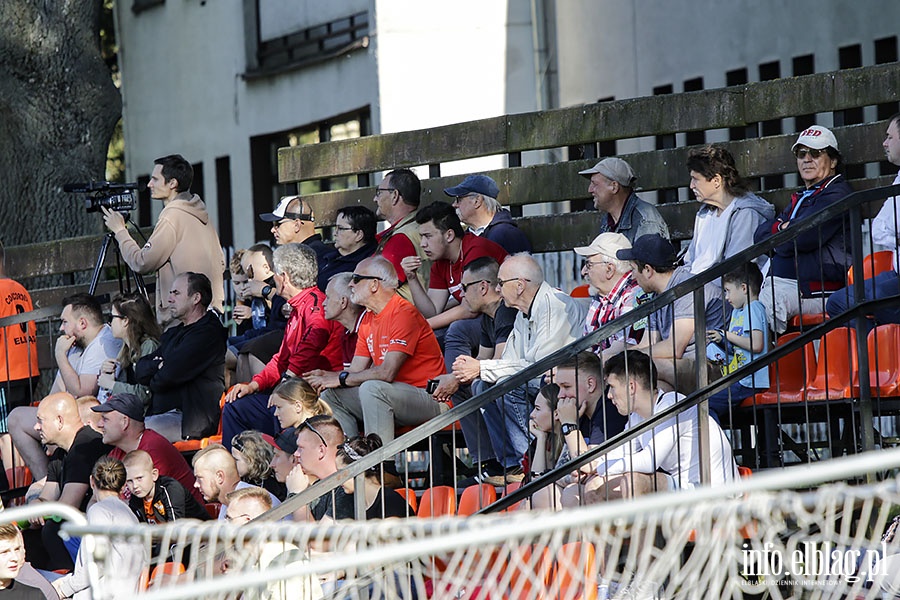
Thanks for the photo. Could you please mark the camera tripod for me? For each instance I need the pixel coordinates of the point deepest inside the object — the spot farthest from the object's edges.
(125, 282)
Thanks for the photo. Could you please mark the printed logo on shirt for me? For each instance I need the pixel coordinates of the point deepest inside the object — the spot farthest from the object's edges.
(397, 342)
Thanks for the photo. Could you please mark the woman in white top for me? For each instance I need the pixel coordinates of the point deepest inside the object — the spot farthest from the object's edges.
(127, 559)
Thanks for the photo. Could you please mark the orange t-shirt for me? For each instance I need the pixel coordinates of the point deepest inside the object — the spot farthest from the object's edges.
(400, 327)
(18, 343)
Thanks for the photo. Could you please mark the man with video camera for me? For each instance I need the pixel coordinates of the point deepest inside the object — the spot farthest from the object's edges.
(183, 239)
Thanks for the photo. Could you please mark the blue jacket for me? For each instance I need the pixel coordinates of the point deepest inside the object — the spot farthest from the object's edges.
(815, 262)
(504, 232)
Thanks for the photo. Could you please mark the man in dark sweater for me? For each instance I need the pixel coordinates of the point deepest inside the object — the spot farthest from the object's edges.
(187, 372)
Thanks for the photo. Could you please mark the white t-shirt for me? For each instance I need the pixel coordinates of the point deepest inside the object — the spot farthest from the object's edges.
(884, 226)
(673, 446)
(87, 361)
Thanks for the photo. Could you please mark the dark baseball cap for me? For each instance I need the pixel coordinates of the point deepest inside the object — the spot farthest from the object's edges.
(652, 249)
(128, 404)
(287, 440)
(474, 184)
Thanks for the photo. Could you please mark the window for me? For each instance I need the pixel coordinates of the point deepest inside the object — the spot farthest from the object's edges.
(694, 138)
(264, 161)
(886, 52)
(850, 57)
(663, 142)
(767, 72)
(803, 65)
(732, 78)
(223, 201)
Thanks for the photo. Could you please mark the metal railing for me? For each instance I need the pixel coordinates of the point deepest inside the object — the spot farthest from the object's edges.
(851, 206)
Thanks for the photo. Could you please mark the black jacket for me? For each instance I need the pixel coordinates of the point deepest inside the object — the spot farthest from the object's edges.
(187, 372)
(171, 501)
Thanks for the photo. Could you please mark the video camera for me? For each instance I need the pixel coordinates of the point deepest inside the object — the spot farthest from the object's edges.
(114, 196)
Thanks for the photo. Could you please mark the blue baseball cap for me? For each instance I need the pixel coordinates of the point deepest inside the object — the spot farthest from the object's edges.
(474, 184)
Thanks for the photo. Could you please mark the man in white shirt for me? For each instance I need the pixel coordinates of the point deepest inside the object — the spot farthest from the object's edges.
(885, 232)
(548, 319)
(86, 342)
(665, 458)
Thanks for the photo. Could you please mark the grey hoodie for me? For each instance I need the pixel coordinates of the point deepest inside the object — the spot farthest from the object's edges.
(747, 213)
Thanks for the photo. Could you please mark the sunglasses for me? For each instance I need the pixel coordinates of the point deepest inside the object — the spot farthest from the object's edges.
(356, 278)
(813, 152)
(310, 426)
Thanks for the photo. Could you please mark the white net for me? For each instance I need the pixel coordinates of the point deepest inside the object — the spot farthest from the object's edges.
(758, 537)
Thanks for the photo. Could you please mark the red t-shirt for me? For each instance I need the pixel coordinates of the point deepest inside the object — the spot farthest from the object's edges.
(166, 458)
(447, 275)
(400, 327)
(396, 249)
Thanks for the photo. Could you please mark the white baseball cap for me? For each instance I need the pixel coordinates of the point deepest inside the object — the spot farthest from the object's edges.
(816, 137)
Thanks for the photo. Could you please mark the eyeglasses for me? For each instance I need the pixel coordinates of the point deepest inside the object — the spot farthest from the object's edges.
(466, 286)
(502, 282)
(588, 264)
(280, 223)
(469, 195)
(115, 316)
(356, 277)
(813, 152)
(309, 426)
(378, 190)
(342, 228)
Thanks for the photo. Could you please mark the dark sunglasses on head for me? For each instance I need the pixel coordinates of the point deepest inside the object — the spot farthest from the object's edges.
(310, 426)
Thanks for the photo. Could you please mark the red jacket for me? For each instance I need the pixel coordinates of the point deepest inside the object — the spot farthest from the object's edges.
(308, 341)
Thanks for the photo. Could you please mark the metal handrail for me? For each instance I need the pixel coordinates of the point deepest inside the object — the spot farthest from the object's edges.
(851, 204)
(689, 401)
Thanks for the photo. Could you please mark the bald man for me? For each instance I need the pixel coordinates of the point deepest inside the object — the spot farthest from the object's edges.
(217, 476)
(547, 320)
(68, 474)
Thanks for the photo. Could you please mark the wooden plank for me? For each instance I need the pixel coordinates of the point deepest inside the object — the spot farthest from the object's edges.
(657, 169)
(54, 296)
(388, 151)
(621, 119)
(57, 256)
(560, 232)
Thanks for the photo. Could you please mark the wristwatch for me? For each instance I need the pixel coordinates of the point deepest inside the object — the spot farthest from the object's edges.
(266, 291)
(568, 428)
(342, 378)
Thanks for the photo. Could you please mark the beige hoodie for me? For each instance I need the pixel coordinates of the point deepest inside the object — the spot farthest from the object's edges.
(183, 240)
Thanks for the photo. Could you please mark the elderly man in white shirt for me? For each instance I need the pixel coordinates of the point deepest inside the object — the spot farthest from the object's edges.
(548, 320)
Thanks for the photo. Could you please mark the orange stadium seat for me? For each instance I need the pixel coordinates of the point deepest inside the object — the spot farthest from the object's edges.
(476, 497)
(837, 366)
(437, 501)
(790, 378)
(410, 496)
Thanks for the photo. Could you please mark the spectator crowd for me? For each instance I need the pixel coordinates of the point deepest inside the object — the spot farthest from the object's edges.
(330, 348)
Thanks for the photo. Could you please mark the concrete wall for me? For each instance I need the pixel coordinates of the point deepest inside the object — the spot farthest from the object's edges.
(625, 48)
(427, 64)
(182, 65)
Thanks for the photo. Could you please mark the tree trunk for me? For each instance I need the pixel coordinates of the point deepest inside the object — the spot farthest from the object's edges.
(58, 109)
